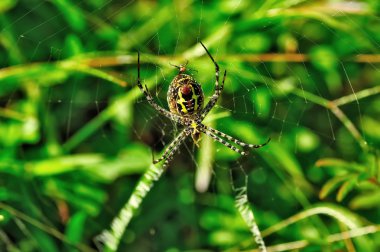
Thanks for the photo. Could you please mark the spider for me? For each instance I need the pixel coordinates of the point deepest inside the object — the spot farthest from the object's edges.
(185, 98)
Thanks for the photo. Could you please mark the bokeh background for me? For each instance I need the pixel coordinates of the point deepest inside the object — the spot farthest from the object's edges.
(76, 134)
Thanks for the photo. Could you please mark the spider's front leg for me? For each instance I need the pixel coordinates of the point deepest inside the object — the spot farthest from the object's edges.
(218, 88)
(214, 98)
(145, 91)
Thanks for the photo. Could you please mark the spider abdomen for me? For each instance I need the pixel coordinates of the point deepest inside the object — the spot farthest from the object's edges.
(185, 96)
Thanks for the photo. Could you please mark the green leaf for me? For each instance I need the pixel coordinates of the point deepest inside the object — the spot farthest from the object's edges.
(5, 217)
(6, 5)
(340, 164)
(84, 197)
(214, 219)
(73, 15)
(346, 188)
(63, 164)
(44, 241)
(263, 102)
(224, 238)
(73, 46)
(284, 157)
(369, 200)
(133, 159)
(285, 86)
(371, 128)
(75, 227)
(6, 194)
(324, 58)
(348, 218)
(306, 140)
(254, 43)
(331, 185)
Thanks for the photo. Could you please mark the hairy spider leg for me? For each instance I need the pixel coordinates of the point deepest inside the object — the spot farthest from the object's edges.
(218, 89)
(214, 98)
(222, 141)
(146, 93)
(230, 138)
(170, 155)
(174, 145)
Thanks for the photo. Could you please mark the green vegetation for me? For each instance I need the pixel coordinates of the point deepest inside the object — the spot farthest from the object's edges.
(76, 134)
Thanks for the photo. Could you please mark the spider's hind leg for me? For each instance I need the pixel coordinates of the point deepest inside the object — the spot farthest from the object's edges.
(219, 139)
(173, 146)
(220, 136)
(238, 142)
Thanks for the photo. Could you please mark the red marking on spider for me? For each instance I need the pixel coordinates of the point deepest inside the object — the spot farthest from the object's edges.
(189, 103)
(182, 69)
(186, 89)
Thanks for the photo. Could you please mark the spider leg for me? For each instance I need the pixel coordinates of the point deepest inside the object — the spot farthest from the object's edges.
(214, 97)
(221, 140)
(230, 138)
(169, 158)
(173, 146)
(218, 89)
(148, 96)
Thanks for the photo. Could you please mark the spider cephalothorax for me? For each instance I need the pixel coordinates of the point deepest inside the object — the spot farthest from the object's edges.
(185, 99)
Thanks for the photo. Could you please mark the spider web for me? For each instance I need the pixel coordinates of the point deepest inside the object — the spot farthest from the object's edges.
(272, 97)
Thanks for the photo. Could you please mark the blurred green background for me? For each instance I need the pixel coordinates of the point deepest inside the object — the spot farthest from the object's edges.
(76, 134)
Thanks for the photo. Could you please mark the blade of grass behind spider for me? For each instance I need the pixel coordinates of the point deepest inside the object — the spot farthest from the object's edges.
(111, 238)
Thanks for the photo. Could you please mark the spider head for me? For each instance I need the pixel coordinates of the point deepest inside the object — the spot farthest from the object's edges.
(182, 68)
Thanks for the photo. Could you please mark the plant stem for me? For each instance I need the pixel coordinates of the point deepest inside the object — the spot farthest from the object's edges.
(349, 125)
(357, 96)
(297, 245)
(318, 210)
(71, 65)
(111, 238)
(241, 203)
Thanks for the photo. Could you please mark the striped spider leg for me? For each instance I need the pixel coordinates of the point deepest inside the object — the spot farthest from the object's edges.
(148, 96)
(218, 88)
(220, 136)
(173, 146)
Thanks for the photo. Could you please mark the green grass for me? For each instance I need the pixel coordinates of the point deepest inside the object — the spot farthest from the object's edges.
(76, 134)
